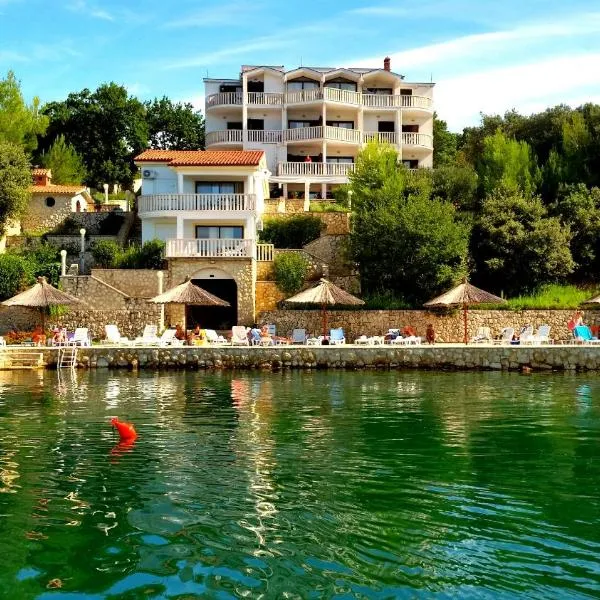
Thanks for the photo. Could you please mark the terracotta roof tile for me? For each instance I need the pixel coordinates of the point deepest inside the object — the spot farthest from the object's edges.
(203, 158)
(57, 189)
(38, 171)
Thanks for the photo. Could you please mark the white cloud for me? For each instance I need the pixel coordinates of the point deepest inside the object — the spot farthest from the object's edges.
(91, 10)
(234, 13)
(8, 56)
(528, 87)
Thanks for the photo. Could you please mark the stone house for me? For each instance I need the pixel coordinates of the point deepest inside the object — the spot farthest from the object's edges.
(51, 204)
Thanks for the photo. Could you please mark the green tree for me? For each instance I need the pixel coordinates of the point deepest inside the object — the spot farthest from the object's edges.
(456, 184)
(15, 181)
(444, 143)
(290, 271)
(20, 124)
(404, 240)
(517, 246)
(106, 127)
(16, 275)
(508, 164)
(579, 208)
(174, 126)
(64, 162)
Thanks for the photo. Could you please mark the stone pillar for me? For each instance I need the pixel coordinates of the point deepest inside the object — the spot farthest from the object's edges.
(180, 183)
(160, 277)
(179, 228)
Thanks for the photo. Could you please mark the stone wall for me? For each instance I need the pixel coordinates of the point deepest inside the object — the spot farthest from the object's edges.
(543, 358)
(95, 293)
(137, 283)
(267, 296)
(449, 326)
(331, 250)
(40, 217)
(243, 271)
(19, 318)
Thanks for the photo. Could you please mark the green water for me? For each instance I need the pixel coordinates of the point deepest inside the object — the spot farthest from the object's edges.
(299, 485)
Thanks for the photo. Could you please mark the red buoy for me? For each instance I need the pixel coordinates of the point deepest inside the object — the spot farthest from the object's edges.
(126, 431)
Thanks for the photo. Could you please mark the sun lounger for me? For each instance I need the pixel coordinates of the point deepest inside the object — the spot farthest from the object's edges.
(148, 337)
(584, 334)
(168, 338)
(369, 341)
(483, 336)
(80, 337)
(313, 341)
(506, 336)
(541, 337)
(213, 338)
(336, 337)
(113, 335)
(239, 336)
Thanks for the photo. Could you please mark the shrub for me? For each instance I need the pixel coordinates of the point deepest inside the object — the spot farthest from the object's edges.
(290, 271)
(106, 253)
(326, 207)
(16, 274)
(294, 232)
(151, 255)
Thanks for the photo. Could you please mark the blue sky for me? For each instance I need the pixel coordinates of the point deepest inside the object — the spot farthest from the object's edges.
(485, 56)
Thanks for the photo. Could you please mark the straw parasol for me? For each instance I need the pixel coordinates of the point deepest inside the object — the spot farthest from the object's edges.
(325, 294)
(41, 296)
(464, 295)
(189, 293)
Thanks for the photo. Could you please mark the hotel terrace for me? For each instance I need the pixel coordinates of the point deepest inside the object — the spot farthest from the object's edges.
(311, 122)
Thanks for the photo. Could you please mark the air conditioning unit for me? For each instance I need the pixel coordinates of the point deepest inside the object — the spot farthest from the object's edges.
(148, 174)
(259, 225)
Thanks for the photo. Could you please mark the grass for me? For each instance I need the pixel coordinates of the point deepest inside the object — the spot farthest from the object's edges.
(320, 206)
(548, 297)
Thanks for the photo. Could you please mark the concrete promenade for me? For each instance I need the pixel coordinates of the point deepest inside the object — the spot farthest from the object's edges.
(440, 356)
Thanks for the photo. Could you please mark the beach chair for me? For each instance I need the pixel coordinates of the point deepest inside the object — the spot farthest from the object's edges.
(148, 337)
(299, 336)
(239, 336)
(168, 338)
(541, 337)
(526, 336)
(506, 336)
(398, 341)
(254, 337)
(314, 341)
(483, 336)
(272, 330)
(363, 340)
(113, 336)
(213, 338)
(80, 338)
(336, 337)
(584, 335)
(2, 341)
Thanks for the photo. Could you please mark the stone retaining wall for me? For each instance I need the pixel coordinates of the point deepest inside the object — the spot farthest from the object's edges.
(543, 358)
(138, 283)
(267, 296)
(448, 327)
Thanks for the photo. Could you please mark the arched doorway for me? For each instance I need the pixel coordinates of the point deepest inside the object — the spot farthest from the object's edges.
(221, 284)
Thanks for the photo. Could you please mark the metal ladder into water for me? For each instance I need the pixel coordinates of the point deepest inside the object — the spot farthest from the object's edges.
(67, 357)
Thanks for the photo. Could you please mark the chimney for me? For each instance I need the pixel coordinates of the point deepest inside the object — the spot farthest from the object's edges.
(387, 64)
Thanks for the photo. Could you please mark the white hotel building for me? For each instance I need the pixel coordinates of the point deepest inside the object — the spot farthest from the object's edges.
(326, 114)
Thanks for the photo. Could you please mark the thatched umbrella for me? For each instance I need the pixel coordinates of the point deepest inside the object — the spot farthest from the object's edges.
(325, 294)
(189, 293)
(464, 295)
(42, 295)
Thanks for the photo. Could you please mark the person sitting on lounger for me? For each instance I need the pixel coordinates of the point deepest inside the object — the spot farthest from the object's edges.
(38, 337)
(179, 333)
(430, 334)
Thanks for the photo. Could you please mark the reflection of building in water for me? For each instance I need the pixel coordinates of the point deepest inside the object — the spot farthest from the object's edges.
(256, 447)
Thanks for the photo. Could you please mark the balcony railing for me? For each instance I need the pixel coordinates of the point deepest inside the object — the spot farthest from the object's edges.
(264, 98)
(388, 137)
(304, 96)
(417, 139)
(224, 136)
(395, 101)
(339, 134)
(344, 96)
(224, 98)
(315, 169)
(194, 202)
(265, 136)
(265, 252)
(209, 248)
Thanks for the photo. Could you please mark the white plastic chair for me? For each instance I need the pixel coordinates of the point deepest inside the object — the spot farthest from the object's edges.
(483, 336)
(80, 337)
(336, 337)
(113, 336)
(168, 338)
(148, 337)
(239, 336)
(213, 338)
(299, 336)
(506, 336)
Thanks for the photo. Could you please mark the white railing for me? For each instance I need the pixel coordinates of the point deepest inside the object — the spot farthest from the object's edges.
(345, 96)
(303, 133)
(417, 139)
(391, 101)
(317, 168)
(210, 248)
(178, 202)
(265, 252)
(341, 134)
(223, 98)
(265, 136)
(304, 96)
(264, 98)
(380, 136)
(224, 136)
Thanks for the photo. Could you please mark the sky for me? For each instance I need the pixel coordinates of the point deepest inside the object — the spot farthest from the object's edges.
(485, 56)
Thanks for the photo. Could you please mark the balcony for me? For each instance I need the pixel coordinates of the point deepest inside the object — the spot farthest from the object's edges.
(224, 99)
(224, 136)
(314, 169)
(162, 203)
(302, 96)
(385, 101)
(338, 134)
(264, 98)
(265, 136)
(423, 140)
(388, 137)
(210, 248)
